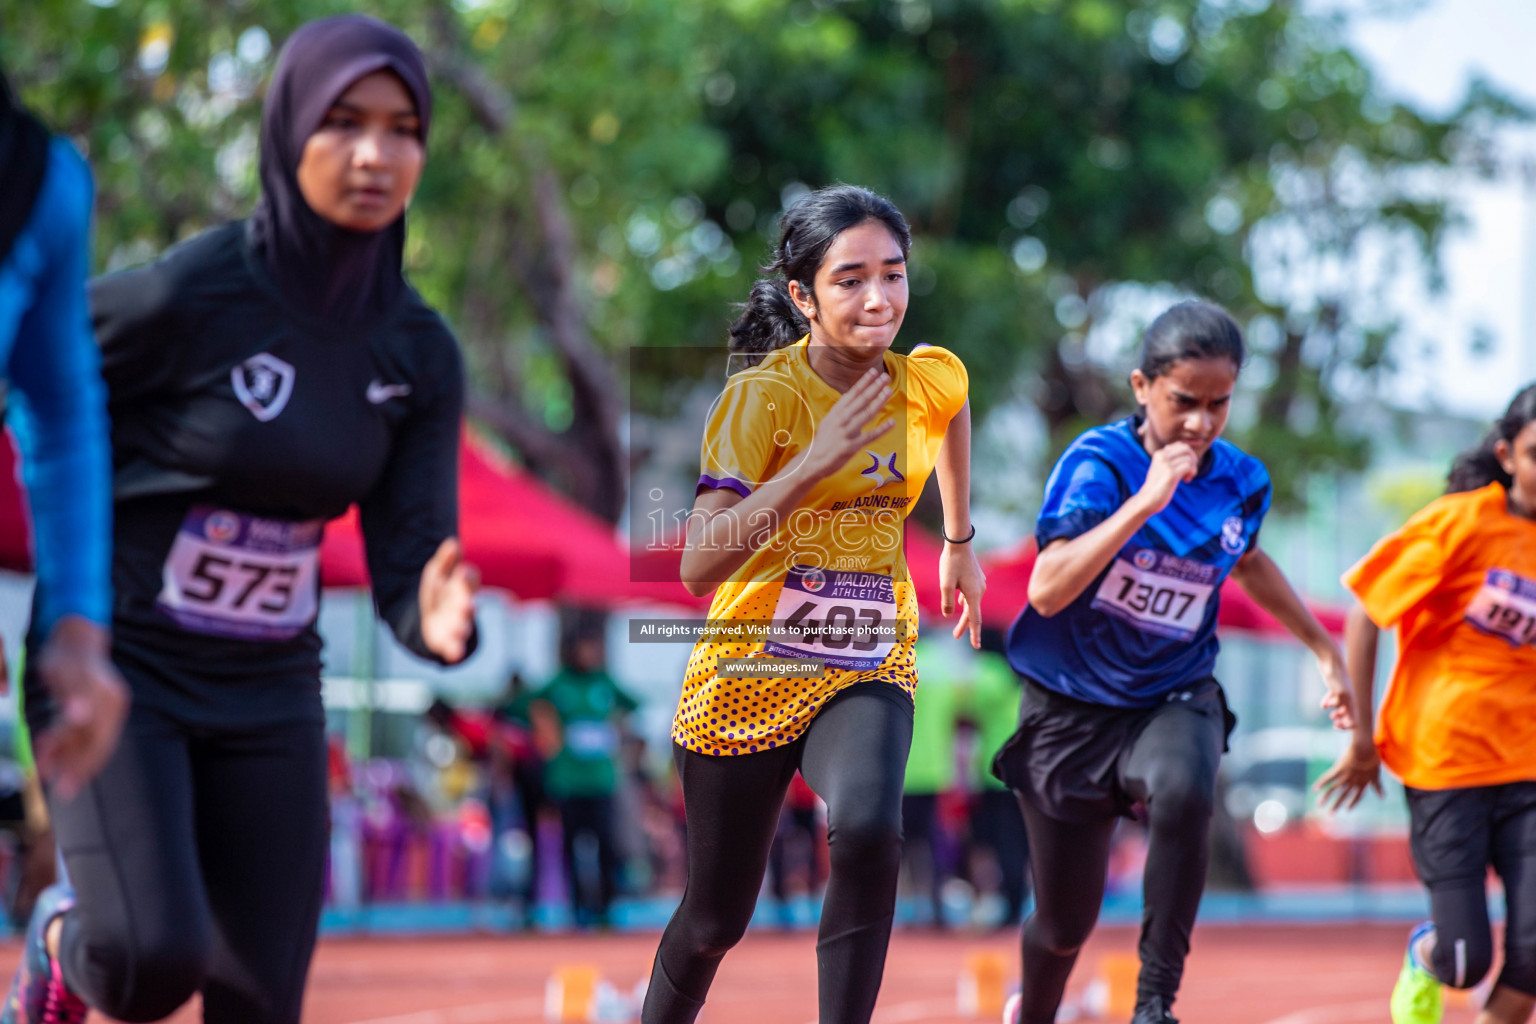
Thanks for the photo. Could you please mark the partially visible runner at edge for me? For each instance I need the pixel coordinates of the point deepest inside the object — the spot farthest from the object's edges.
(59, 412)
(1143, 521)
(811, 460)
(262, 377)
(1458, 723)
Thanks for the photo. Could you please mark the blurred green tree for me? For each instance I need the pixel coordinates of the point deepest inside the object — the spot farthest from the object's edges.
(605, 174)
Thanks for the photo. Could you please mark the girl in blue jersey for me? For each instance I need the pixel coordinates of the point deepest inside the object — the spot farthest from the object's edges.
(1143, 521)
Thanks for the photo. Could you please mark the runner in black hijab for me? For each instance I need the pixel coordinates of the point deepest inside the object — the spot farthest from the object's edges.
(323, 269)
(262, 377)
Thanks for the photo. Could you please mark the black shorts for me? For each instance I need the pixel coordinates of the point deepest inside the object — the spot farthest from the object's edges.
(1068, 756)
(1457, 834)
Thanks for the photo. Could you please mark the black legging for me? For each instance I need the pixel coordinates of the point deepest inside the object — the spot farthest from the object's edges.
(1171, 767)
(198, 859)
(1457, 835)
(854, 755)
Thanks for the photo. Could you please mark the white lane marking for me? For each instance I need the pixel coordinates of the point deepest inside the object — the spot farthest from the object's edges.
(910, 1013)
(476, 1013)
(1338, 1014)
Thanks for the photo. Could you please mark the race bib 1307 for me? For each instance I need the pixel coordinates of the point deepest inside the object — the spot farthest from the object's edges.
(1157, 592)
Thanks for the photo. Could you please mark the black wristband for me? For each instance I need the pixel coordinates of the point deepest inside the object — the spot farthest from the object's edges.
(963, 540)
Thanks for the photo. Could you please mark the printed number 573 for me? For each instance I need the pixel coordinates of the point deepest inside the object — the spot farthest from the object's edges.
(215, 573)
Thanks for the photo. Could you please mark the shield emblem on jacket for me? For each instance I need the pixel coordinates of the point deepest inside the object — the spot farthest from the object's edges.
(263, 383)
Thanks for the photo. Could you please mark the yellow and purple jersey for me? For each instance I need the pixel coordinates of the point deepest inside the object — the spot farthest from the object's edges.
(830, 583)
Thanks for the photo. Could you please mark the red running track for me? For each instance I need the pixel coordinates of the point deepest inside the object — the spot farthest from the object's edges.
(1324, 974)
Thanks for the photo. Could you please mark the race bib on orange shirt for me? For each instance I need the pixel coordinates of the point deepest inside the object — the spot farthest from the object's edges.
(1505, 607)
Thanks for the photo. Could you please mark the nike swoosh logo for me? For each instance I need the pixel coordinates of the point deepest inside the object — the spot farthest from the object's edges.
(379, 392)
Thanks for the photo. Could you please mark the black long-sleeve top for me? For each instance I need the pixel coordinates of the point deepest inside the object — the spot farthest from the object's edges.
(238, 419)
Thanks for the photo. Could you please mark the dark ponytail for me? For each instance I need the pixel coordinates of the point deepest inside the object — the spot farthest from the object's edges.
(1190, 330)
(769, 318)
(1479, 466)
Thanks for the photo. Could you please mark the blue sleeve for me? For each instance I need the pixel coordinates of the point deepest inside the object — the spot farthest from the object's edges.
(1258, 493)
(1082, 492)
(62, 426)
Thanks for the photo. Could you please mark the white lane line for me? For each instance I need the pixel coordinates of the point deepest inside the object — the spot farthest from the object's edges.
(1339, 1014)
(476, 1013)
(910, 1013)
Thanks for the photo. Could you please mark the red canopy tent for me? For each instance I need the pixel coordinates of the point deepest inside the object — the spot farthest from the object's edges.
(15, 524)
(523, 537)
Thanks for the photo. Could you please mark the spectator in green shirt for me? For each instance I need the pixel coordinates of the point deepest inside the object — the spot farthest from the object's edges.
(581, 711)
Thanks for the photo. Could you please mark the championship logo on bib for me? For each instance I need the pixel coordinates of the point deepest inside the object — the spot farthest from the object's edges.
(263, 383)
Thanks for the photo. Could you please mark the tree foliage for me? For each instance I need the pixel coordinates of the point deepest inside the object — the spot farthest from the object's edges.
(605, 174)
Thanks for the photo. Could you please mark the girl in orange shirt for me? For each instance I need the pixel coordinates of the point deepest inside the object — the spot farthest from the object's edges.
(1458, 724)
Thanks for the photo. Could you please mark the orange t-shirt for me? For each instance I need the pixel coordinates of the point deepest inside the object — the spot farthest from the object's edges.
(1459, 583)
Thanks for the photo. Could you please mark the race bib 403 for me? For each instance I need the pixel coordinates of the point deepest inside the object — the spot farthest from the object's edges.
(846, 619)
(1505, 607)
(241, 576)
(1157, 592)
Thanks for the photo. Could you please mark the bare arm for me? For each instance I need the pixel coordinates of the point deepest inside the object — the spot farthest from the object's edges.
(1065, 567)
(958, 568)
(725, 529)
(1258, 574)
(1360, 764)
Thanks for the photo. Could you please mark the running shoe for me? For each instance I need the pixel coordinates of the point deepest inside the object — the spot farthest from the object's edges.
(1416, 998)
(38, 995)
(1153, 1011)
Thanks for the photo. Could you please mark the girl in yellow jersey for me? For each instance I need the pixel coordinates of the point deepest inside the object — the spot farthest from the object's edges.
(1458, 724)
(812, 458)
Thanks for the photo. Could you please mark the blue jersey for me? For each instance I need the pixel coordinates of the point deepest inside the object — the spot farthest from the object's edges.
(1147, 625)
(50, 361)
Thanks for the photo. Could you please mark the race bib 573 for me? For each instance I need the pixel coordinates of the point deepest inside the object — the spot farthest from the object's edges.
(242, 576)
(1157, 592)
(1505, 607)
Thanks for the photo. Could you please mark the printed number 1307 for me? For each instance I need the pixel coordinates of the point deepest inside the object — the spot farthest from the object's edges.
(1143, 597)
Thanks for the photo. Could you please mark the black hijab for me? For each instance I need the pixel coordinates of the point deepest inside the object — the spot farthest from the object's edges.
(23, 164)
(324, 270)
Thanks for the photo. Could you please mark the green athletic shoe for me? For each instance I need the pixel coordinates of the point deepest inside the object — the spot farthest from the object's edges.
(1416, 998)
